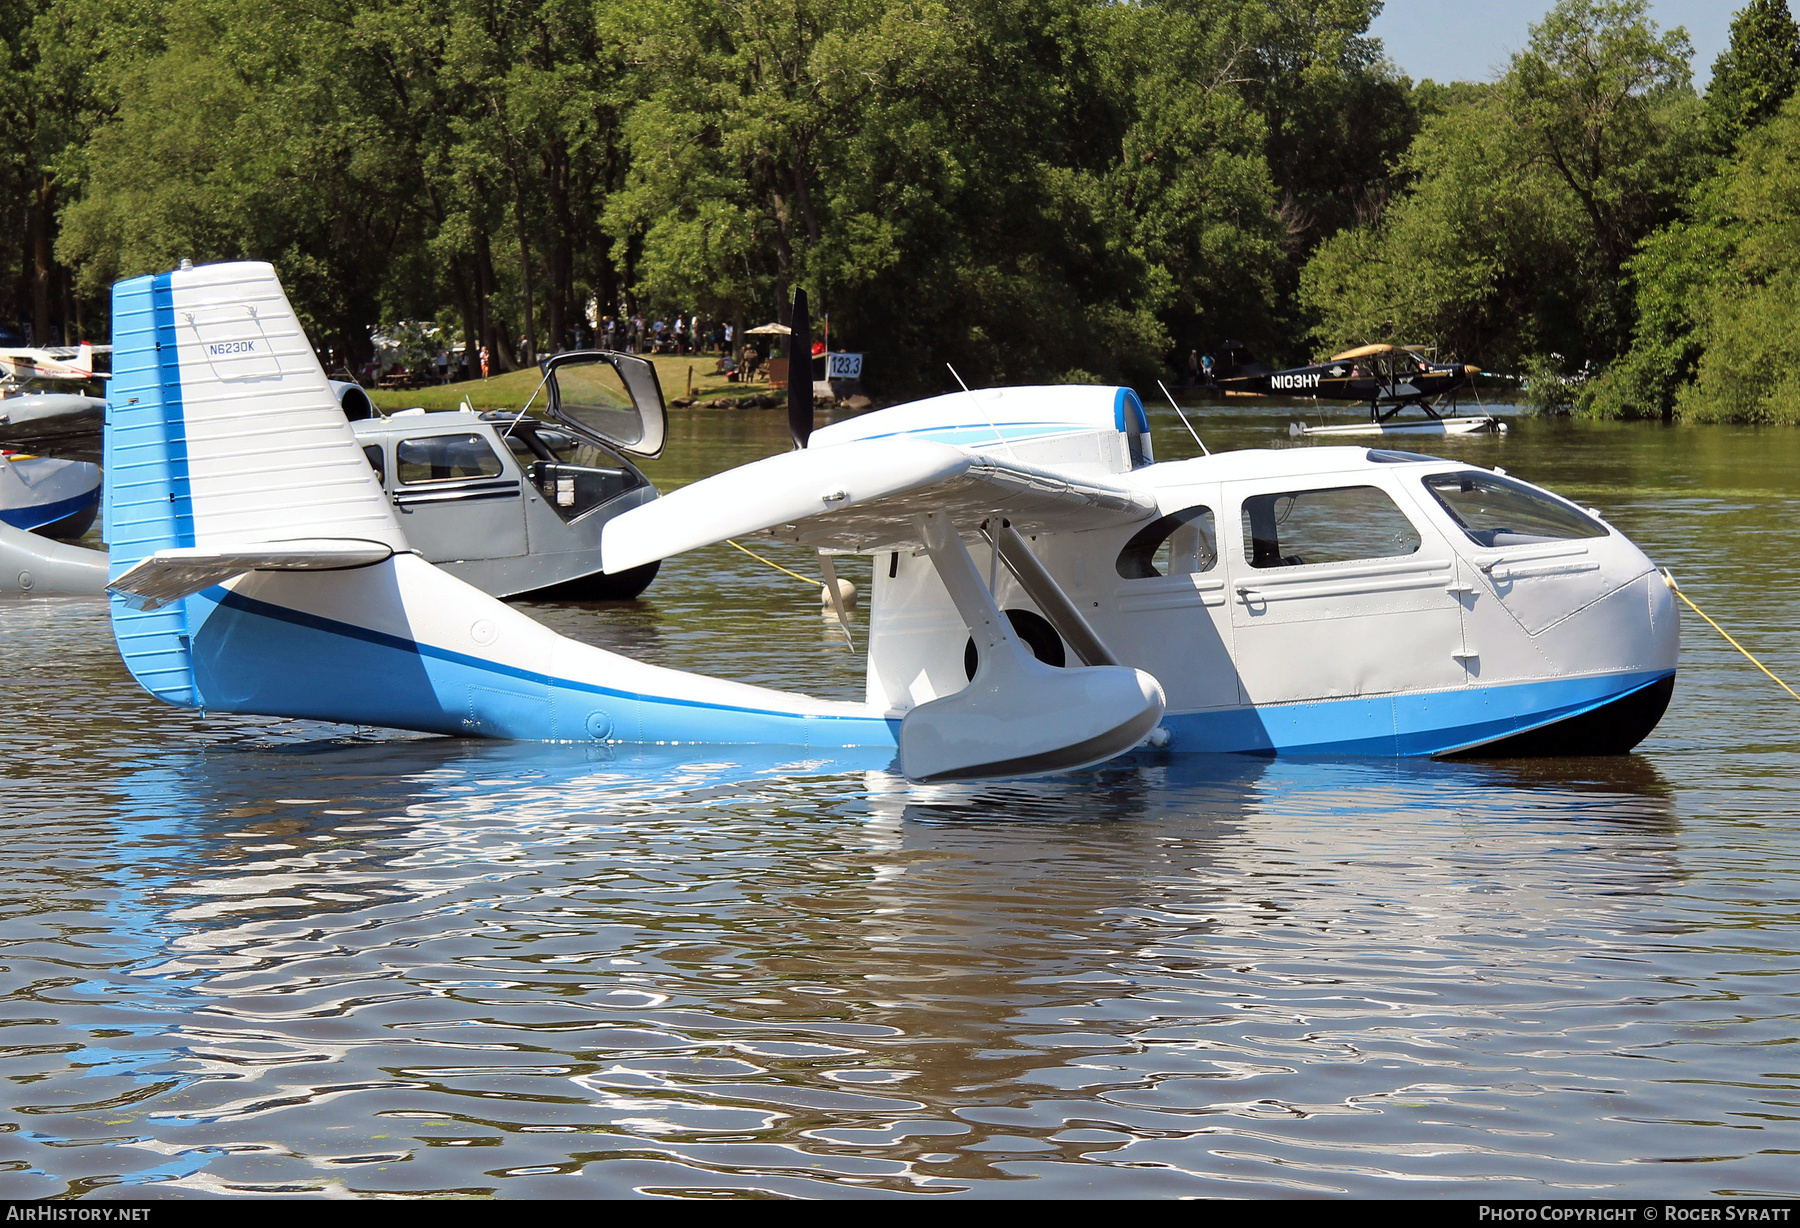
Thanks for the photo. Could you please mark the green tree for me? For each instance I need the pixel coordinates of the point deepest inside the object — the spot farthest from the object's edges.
(1527, 199)
(1480, 258)
(1338, 115)
(1674, 276)
(1757, 71)
(535, 151)
(1607, 104)
(938, 181)
(287, 131)
(1190, 183)
(1749, 332)
(58, 63)
(1718, 333)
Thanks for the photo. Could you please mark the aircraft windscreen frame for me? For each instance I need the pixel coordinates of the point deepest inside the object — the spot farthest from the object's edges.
(616, 398)
(1530, 515)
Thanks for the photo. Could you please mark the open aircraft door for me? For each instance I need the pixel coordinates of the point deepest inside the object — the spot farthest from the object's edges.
(613, 397)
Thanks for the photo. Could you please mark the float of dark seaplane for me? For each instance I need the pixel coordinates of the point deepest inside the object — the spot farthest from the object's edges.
(1386, 378)
(1335, 600)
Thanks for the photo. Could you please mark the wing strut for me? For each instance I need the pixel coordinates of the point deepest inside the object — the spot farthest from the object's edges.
(1042, 588)
(836, 597)
(1018, 716)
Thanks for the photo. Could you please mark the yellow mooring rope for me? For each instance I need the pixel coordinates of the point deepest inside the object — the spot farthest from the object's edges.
(819, 584)
(1675, 588)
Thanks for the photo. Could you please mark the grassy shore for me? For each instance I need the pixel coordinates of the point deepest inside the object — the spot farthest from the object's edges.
(512, 390)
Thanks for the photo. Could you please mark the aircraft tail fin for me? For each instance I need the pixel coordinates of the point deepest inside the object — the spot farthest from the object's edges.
(1235, 358)
(222, 435)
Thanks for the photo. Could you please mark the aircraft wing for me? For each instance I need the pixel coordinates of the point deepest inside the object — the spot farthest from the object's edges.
(54, 353)
(169, 575)
(866, 496)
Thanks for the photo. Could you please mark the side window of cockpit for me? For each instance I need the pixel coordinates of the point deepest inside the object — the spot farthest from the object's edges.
(444, 458)
(377, 461)
(1496, 511)
(1339, 524)
(1181, 543)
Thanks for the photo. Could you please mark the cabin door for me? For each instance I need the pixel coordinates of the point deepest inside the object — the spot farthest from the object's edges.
(458, 498)
(1335, 592)
(1167, 613)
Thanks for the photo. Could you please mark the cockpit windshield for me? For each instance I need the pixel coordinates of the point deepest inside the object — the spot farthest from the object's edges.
(1499, 511)
(574, 475)
(615, 397)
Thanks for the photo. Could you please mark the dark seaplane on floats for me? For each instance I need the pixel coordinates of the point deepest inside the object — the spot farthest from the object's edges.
(1387, 378)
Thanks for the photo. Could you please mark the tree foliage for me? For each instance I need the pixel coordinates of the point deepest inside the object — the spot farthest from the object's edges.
(1020, 189)
(1057, 189)
(1758, 69)
(1717, 333)
(1527, 199)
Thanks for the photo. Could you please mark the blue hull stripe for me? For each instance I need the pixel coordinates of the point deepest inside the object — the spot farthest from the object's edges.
(254, 656)
(41, 514)
(1403, 725)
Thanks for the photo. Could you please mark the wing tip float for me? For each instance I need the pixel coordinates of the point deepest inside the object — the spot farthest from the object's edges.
(1018, 716)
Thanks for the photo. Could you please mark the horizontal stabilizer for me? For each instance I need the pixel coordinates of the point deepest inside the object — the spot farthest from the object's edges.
(865, 496)
(169, 575)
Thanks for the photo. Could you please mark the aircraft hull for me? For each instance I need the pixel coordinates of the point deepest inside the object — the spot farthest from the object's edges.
(30, 564)
(1467, 425)
(64, 423)
(1421, 635)
(244, 651)
(58, 498)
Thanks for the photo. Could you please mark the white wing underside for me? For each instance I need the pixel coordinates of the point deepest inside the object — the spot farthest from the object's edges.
(169, 575)
(865, 497)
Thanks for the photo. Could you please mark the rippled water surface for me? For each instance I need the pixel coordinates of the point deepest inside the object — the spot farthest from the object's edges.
(244, 956)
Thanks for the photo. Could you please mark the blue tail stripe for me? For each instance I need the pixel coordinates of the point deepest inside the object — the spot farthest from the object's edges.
(148, 501)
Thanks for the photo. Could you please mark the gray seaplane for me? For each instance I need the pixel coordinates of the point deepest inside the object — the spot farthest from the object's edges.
(514, 505)
(509, 503)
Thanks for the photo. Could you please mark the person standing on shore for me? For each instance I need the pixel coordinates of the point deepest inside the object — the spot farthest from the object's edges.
(484, 361)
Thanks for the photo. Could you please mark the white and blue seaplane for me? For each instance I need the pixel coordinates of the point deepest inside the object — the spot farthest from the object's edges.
(1046, 596)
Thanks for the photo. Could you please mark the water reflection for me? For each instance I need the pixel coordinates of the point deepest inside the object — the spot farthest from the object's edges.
(765, 973)
(241, 955)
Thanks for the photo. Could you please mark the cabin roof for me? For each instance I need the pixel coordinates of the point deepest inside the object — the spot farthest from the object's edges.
(1256, 463)
(1015, 414)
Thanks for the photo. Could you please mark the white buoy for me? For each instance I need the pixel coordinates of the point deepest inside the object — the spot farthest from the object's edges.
(846, 590)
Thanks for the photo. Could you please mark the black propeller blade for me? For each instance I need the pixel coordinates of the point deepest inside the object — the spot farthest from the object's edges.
(800, 385)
